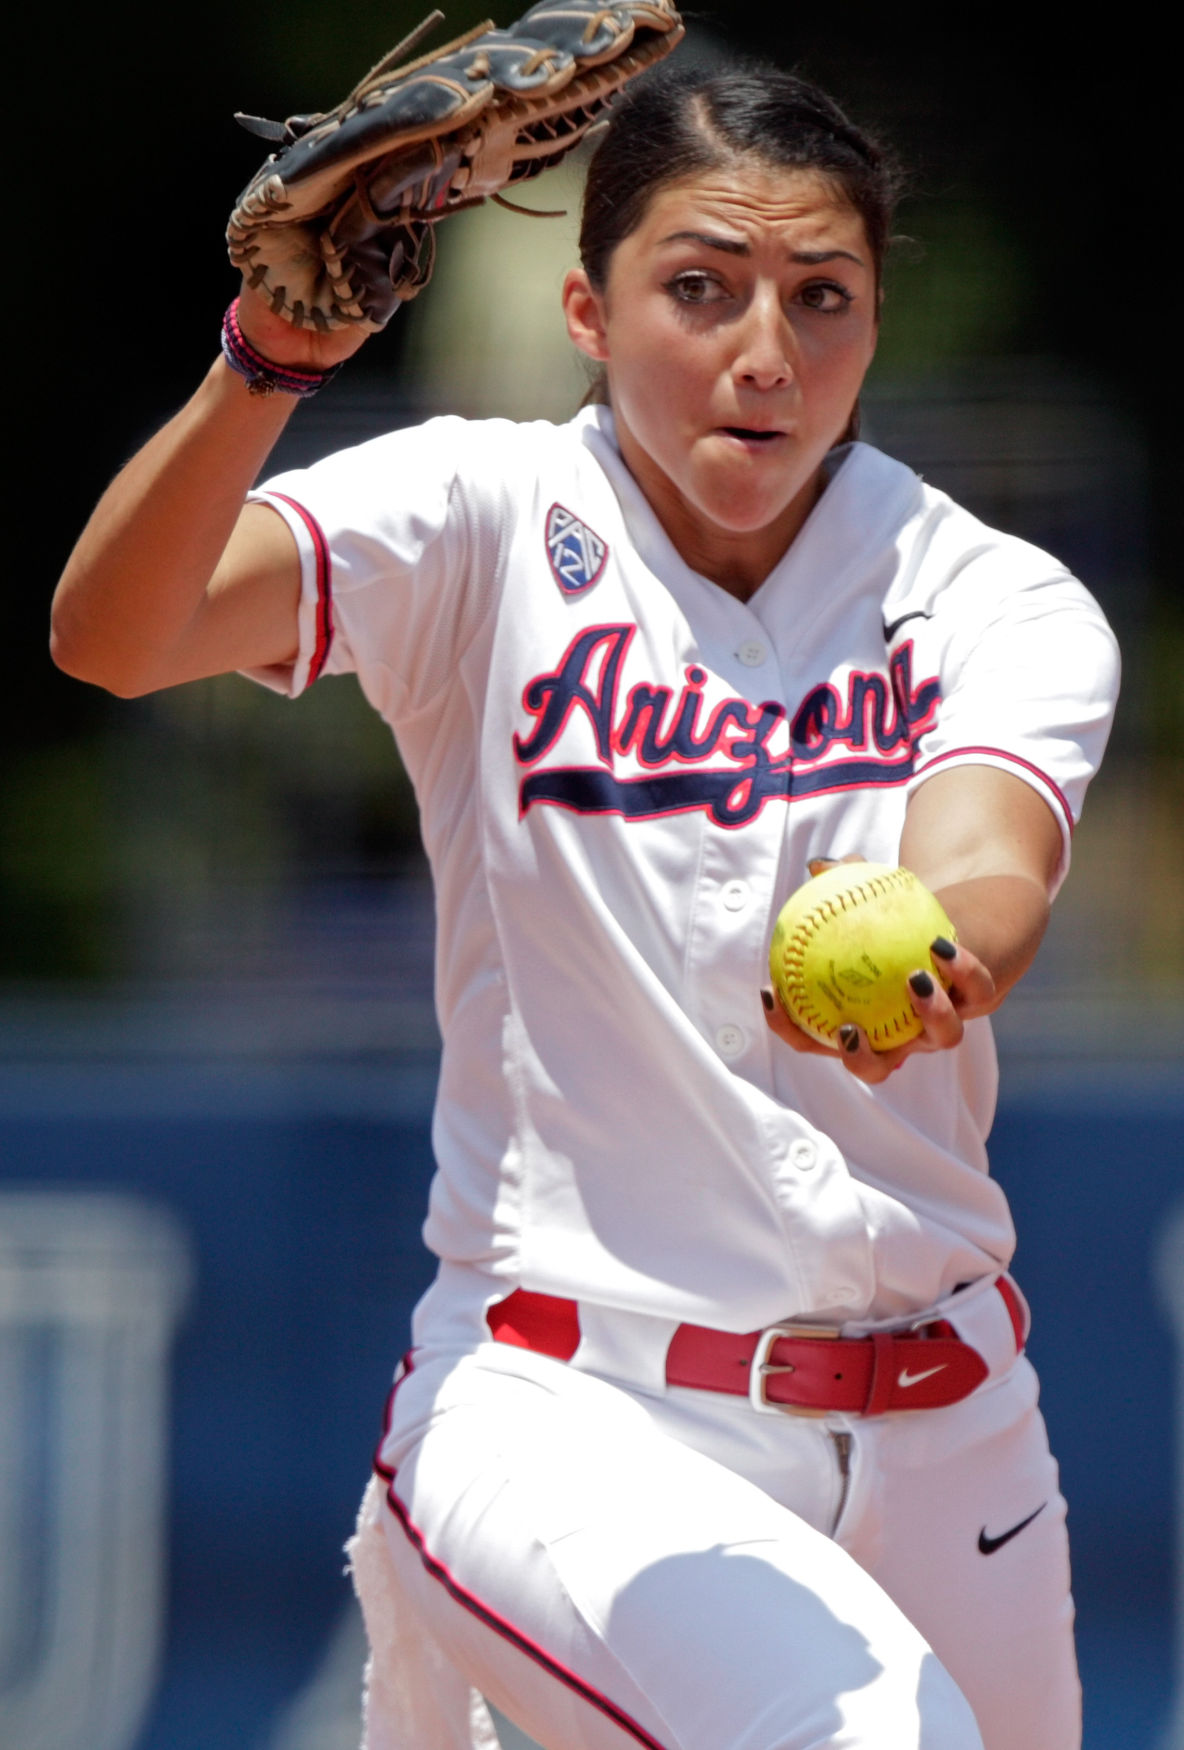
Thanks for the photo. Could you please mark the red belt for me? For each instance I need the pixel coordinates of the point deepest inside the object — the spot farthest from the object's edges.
(805, 1370)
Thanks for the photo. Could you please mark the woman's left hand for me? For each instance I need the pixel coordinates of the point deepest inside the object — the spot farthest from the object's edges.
(943, 1014)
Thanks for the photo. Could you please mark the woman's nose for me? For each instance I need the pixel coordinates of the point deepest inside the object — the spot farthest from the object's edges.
(766, 356)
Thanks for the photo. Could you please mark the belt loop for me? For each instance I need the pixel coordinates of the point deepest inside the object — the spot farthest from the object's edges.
(883, 1373)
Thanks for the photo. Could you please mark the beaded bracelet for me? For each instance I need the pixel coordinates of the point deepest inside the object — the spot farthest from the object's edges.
(261, 375)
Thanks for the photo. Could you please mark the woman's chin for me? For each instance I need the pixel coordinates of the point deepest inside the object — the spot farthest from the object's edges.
(754, 495)
(738, 513)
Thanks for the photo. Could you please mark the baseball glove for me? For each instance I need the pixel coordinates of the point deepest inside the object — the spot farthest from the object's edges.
(335, 230)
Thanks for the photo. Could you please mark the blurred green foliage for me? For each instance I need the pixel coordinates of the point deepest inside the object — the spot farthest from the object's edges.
(957, 286)
(1160, 669)
(56, 863)
(115, 846)
(299, 62)
(1033, 164)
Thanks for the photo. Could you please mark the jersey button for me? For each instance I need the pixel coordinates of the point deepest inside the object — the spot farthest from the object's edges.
(731, 1040)
(752, 653)
(734, 895)
(803, 1154)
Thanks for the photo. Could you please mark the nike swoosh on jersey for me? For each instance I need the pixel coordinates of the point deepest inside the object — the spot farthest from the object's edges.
(988, 1545)
(905, 1378)
(890, 630)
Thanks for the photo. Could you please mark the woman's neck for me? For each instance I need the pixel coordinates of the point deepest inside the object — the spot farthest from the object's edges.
(737, 561)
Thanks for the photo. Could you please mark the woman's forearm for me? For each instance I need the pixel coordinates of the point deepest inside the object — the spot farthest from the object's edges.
(1002, 920)
(138, 578)
(989, 847)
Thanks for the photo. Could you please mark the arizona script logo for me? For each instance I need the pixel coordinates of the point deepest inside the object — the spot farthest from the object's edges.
(720, 759)
(576, 553)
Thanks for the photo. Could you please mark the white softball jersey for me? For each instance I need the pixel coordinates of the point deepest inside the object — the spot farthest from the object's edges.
(622, 771)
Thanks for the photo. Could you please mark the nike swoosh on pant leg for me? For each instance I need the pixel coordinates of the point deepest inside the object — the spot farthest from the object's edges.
(988, 1545)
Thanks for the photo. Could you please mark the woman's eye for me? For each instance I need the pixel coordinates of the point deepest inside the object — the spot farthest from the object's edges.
(695, 288)
(825, 295)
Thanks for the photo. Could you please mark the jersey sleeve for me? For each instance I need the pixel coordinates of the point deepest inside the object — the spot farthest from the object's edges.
(1029, 672)
(399, 542)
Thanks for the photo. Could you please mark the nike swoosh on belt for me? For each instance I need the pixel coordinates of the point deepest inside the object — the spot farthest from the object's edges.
(988, 1545)
(904, 1377)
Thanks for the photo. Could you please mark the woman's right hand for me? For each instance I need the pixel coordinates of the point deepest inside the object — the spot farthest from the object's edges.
(302, 348)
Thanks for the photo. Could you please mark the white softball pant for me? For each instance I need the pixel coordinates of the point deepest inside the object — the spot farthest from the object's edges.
(614, 1569)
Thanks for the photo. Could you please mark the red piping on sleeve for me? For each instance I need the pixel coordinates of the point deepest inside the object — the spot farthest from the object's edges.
(324, 578)
(1001, 753)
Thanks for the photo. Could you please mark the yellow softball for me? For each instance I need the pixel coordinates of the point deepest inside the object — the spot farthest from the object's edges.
(843, 948)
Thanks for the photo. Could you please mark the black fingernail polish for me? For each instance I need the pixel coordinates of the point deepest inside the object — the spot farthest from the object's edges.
(945, 950)
(767, 997)
(921, 984)
(849, 1036)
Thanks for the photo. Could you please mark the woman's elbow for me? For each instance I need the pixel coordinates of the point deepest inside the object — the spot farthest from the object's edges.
(84, 659)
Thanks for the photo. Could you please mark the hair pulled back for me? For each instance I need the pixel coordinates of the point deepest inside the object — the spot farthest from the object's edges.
(674, 124)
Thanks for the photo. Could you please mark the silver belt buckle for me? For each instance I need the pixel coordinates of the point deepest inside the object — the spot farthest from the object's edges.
(761, 1368)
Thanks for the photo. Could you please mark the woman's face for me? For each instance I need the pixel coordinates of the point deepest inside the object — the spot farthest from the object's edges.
(736, 326)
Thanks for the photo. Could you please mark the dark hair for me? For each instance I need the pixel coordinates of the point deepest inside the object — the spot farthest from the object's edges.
(673, 124)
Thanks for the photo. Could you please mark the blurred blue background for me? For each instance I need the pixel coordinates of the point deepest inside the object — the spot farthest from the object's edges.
(282, 1135)
(295, 1170)
(217, 1043)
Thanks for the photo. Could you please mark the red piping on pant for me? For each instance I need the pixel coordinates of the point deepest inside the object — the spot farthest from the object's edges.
(470, 1602)
(1015, 1311)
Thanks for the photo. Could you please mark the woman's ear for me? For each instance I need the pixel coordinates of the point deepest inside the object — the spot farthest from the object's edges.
(584, 310)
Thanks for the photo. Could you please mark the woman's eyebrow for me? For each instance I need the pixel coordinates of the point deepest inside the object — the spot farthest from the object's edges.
(739, 246)
(730, 245)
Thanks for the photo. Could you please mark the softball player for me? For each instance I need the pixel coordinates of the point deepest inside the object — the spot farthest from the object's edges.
(716, 1432)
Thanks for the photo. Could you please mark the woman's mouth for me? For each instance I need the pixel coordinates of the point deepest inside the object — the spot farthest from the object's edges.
(750, 435)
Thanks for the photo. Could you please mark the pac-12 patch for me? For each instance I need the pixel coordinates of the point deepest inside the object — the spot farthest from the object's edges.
(576, 553)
